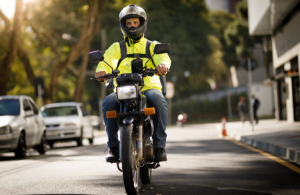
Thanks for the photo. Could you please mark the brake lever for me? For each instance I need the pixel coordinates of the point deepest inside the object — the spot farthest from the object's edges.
(105, 76)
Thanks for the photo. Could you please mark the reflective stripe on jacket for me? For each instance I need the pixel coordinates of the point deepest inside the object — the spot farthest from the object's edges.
(113, 54)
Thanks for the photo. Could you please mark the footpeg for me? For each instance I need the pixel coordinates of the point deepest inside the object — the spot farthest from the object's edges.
(156, 165)
(152, 165)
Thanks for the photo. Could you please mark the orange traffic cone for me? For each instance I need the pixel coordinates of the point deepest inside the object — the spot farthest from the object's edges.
(224, 133)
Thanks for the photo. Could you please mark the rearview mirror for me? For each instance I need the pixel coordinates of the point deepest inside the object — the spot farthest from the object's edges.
(29, 113)
(162, 48)
(95, 56)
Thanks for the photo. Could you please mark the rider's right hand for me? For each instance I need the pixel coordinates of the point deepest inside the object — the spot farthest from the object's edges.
(99, 74)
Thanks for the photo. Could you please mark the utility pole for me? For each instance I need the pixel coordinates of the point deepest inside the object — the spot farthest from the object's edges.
(103, 89)
(229, 105)
(169, 96)
(250, 92)
(39, 95)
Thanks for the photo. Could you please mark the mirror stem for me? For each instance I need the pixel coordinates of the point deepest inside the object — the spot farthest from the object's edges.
(108, 65)
(148, 61)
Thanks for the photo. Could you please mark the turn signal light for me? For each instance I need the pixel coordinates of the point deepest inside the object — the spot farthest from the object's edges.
(149, 111)
(111, 114)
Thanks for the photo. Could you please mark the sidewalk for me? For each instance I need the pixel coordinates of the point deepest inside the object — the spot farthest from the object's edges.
(278, 137)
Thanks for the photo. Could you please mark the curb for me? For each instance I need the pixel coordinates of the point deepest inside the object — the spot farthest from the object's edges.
(288, 153)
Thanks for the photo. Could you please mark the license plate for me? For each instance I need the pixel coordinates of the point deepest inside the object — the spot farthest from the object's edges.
(52, 133)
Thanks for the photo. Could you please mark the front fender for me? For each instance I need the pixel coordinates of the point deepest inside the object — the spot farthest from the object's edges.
(128, 120)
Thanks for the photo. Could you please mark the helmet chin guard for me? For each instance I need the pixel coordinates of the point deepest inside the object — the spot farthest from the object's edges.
(133, 11)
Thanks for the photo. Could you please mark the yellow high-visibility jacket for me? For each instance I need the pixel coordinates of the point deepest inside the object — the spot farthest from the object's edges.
(113, 54)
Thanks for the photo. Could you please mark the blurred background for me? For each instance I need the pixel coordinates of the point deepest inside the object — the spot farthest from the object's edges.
(46, 43)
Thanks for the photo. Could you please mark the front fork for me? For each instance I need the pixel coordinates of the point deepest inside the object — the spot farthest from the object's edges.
(139, 143)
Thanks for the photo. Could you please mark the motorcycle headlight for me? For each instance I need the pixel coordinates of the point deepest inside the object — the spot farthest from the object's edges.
(6, 130)
(126, 92)
(180, 117)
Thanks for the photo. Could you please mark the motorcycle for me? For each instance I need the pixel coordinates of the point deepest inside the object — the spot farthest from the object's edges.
(181, 119)
(135, 121)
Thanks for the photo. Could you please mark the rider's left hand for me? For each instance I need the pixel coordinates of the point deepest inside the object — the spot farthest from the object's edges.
(161, 69)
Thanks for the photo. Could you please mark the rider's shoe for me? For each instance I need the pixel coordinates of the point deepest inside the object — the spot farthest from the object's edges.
(113, 155)
(160, 154)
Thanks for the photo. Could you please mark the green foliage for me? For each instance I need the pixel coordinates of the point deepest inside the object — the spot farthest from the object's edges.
(237, 34)
(190, 36)
(242, 9)
(220, 20)
(206, 111)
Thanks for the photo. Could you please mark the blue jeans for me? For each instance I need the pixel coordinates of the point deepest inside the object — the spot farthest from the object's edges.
(154, 99)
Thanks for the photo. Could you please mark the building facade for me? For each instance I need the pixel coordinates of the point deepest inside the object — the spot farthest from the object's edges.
(281, 20)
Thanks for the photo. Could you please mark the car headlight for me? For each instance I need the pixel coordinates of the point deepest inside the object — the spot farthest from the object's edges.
(126, 92)
(6, 130)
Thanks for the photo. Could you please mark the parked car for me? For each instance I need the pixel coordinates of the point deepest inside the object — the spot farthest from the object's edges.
(67, 121)
(21, 126)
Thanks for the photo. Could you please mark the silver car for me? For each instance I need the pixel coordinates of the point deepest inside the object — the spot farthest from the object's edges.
(21, 126)
(67, 121)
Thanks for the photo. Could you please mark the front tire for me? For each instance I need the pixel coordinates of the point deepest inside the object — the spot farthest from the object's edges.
(131, 170)
(42, 147)
(179, 124)
(20, 152)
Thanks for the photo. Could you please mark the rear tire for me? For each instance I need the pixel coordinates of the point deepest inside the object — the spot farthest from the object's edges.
(20, 152)
(42, 147)
(91, 140)
(131, 172)
(50, 143)
(146, 174)
(79, 140)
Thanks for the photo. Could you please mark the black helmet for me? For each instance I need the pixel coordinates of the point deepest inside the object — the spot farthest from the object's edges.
(133, 11)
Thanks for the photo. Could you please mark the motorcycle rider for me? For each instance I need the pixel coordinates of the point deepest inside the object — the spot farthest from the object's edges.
(133, 23)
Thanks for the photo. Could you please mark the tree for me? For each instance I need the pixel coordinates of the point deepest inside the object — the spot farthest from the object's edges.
(237, 44)
(220, 20)
(49, 32)
(191, 38)
(13, 45)
(54, 27)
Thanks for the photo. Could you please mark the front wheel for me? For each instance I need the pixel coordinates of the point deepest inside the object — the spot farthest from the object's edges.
(130, 161)
(20, 152)
(179, 124)
(42, 147)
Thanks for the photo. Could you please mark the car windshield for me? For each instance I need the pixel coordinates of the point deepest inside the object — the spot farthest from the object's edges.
(60, 111)
(9, 107)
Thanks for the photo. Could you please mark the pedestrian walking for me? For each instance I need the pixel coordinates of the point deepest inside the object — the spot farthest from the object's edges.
(243, 109)
(255, 104)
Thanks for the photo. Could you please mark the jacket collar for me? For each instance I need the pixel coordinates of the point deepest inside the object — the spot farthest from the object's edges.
(132, 42)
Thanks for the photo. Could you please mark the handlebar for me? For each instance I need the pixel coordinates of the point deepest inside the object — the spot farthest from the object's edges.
(147, 72)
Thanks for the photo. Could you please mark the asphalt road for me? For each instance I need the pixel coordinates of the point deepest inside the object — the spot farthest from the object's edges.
(199, 162)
